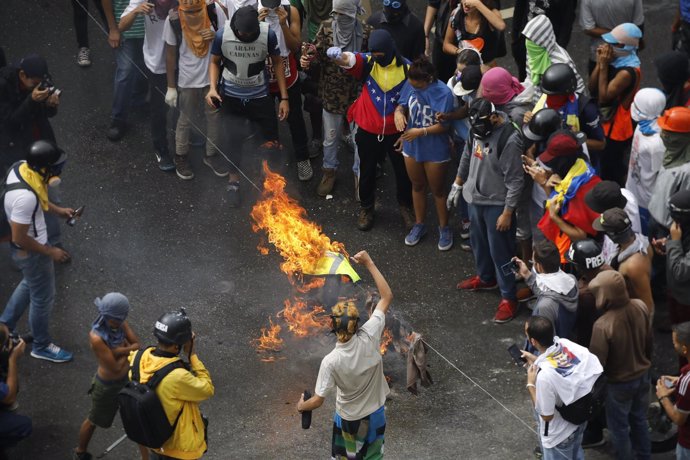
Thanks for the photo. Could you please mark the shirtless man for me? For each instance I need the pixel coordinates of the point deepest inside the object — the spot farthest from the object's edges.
(111, 340)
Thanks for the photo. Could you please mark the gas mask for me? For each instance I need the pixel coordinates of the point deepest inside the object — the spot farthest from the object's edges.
(481, 127)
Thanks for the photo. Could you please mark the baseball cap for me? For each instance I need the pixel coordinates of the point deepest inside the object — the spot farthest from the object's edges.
(270, 3)
(469, 80)
(605, 195)
(34, 66)
(561, 144)
(625, 34)
(613, 220)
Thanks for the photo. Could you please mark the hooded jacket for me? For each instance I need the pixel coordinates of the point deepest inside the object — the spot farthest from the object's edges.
(561, 309)
(669, 180)
(622, 336)
(181, 390)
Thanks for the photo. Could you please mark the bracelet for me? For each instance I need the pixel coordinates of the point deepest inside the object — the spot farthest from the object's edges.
(426, 132)
(531, 385)
(284, 99)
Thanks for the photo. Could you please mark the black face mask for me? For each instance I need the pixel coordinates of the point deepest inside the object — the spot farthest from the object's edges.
(394, 15)
(482, 127)
(245, 24)
(622, 237)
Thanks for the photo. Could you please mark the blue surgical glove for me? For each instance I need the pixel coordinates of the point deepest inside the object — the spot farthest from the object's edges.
(334, 52)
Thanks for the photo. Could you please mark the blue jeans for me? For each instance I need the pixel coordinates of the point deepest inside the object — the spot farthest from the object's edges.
(492, 249)
(569, 449)
(52, 221)
(129, 53)
(332, 127)
(626, 417)
(682, 453)
(36, 291)
(13, 428)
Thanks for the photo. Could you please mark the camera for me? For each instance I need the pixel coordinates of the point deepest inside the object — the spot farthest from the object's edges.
(47, 83)
(15, 338)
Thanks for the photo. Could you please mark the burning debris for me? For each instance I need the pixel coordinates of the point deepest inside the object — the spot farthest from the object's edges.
(320, 273)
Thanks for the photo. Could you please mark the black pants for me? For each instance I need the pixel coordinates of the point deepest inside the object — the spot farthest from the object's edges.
(372, 151)
(298, 129)
(444, 63)
(613, 161)
(81, 20)
(158, 85)
(234, 111)
(13, 428)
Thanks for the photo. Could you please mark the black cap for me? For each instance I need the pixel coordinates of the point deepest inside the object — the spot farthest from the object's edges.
(613, 220)
(470, 79)
(605, 195)
(270, 3)
(34, 66)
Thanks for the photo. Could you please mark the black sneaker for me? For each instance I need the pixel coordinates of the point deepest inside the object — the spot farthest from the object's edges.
(165, 163)
(116, 131)
(234, 198)
(217, 164)
(183, 168)
(81, 456)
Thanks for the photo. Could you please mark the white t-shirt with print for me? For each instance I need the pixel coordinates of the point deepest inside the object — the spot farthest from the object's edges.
(192, 70)
(154, 46)
(646, 158)
(19, 208)
(355, 368)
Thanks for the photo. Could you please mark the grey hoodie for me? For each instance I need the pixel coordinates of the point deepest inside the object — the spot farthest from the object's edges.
(561, 309)
(490, 180)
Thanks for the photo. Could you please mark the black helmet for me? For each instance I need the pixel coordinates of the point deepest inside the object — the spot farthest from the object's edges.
(679, 207)
(586, 254)
(559, 79)
(544, 123)
(173, 328)
(43, 154)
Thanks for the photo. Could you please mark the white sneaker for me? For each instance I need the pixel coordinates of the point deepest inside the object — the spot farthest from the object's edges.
(84, 57)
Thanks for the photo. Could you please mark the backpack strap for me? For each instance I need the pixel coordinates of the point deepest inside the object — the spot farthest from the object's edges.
(505, 135)
(161, 373)
(135, 365)
(21, 185)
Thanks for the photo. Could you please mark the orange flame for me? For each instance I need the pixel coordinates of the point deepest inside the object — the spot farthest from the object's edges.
(302, 322)
(386, 339)
(299, 241)
(269, 339)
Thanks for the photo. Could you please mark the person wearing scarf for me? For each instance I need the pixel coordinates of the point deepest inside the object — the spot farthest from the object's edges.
(614, 82)
(111, 339)
(567, 217)
(674, 174)
(405, 28)
(382, 72)
(504, 91)
(337, 89)
(543, 51)
(673, 72)
(647, 151)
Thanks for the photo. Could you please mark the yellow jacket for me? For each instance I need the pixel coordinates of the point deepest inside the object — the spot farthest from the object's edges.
(180, 390)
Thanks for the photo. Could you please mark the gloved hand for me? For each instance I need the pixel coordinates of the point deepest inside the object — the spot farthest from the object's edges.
(454, 196)
(334, 52)
(171, 97)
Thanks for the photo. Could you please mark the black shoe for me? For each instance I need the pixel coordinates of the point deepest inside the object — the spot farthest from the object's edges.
(234, 198)
(116, 131)
(165, 163)
(365, 220)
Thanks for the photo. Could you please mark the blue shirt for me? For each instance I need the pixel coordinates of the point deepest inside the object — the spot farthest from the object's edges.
(685, 10)
(251, 92)
(422, 107)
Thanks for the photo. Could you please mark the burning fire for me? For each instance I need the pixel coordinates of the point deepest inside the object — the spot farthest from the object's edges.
(269, 340)
(301, 321)
(386, 339)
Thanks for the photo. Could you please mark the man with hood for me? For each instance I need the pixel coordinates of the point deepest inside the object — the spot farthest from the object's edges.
(26, 201)
(678, 258)
(490, 178)
(542, 51)
(405, 28)
(614, 82)
(188, 36)
(673, 72)
(181, 391)
(563, 373)
(355, 370)
(337, 89)
(383, 72)
(647, 152)
(622, 340)
(242, 92)
(111, 340)
(556, 291)
(674, 174)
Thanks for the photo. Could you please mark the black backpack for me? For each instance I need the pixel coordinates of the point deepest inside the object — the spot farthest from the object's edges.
(587, 407)
(5, 229)
(142, 413)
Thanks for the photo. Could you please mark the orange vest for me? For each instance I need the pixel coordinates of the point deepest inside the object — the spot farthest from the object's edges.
(620, 126)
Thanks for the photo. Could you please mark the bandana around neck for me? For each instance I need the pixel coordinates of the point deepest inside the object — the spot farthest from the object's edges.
(193, 20)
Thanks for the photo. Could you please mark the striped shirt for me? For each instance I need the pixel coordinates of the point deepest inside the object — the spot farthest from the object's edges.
(137, 29)
(683, 405)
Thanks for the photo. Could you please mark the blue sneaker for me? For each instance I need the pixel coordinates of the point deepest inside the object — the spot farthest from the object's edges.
(52, 353)
(445, 238)
(416, 234)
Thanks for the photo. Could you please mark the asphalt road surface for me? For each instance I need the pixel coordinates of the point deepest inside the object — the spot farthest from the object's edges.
(168, 243)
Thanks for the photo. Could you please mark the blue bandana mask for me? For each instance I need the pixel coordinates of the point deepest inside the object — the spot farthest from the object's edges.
(625, 57)
(648, 127)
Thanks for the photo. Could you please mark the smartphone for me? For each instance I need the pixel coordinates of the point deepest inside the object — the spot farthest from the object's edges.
(516, 354)
(668, 383)
(509, 268)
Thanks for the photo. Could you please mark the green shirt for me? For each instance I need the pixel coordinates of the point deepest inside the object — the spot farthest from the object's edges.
(137, 29)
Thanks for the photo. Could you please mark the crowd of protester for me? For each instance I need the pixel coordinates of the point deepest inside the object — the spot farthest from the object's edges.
(572, 189)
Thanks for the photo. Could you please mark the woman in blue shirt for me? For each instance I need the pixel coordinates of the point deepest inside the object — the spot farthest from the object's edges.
(425, 145)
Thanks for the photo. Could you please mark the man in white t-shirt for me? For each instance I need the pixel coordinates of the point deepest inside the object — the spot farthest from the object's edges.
(562, 373)
(355, 369)
(26, 199)
(189, 31)
(154, 13)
